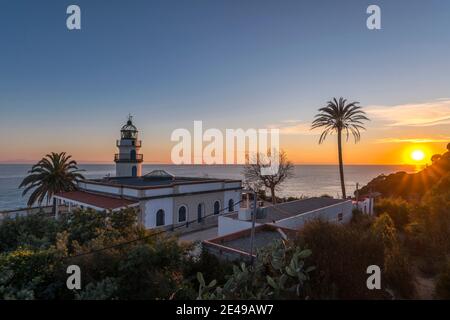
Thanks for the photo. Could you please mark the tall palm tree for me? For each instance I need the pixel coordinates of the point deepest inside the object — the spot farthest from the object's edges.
(54, 173)
(338, 116)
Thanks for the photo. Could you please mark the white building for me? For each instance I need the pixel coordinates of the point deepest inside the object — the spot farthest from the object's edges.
(292, 215)
(128, 160)
(163, 199)
(365, 205)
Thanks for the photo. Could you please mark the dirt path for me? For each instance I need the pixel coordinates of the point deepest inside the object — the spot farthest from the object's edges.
(424, 286)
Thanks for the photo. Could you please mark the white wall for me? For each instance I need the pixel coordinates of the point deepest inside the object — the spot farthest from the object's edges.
(100, 188)
(152, 206)
(329, 213)
(366, 206)
(199, 187)
(232, 185)
(232, 194)
(131, 192)
(124, 169)
(158, 192)
(230, 225)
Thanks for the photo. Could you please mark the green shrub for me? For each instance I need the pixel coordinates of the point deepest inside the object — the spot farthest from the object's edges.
(33, 272)
(279, 272)
(384, 229)
(398, 209)
(341, 254)
(398, 273)
(33, 231)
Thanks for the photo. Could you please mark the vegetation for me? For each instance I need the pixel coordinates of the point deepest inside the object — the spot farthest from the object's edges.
(406, 239)
(256, 178)
(326, 261)
(280, 272)
(443, 284)
(410, 186)
(338, 117)
(342, 266)
(418, 204)
(33, 262)
(397, 209)
(54, 173)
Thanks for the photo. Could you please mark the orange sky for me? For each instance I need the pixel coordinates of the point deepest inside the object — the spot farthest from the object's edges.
(393, 133)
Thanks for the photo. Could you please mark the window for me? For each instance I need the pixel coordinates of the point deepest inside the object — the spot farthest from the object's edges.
(160, 217)
(182, 214)
(340, 216)
(134, 171)
(216, 207)
(230, 205)
(200, 212)
(133, 155)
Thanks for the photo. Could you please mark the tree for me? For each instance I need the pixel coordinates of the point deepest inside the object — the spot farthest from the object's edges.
(254, 176)
(338, 116)
(435, 158)
(54, 173)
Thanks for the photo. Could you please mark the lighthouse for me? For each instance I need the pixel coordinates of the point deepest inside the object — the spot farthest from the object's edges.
(128, 160)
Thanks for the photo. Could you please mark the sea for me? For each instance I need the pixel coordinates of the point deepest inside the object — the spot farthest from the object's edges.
(307, 180)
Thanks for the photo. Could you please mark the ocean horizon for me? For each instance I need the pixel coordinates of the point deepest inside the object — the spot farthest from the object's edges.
(307, 180)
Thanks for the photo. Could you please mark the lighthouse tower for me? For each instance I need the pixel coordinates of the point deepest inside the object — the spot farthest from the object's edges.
(128, 160)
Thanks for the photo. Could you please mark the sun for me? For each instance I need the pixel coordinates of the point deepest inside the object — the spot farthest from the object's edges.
(417, 155)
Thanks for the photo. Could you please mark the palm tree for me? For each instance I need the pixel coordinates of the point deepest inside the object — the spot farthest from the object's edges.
(338, 116)
(54, 173)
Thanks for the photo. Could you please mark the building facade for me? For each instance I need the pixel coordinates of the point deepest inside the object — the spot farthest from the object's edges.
(292, 214)
(163, 200)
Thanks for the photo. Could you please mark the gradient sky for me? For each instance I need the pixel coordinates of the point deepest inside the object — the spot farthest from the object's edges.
(233, 64)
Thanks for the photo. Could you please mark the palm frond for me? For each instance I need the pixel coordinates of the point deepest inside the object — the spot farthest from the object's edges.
(54, 173)
(337, 116)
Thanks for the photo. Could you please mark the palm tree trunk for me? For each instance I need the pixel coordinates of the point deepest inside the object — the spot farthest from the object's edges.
(341, 164)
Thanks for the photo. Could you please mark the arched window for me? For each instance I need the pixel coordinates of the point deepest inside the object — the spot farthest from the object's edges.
(230, 205)
(182, 214)
(134, 171)
(216, 207)
(200, 212)
(160, 217)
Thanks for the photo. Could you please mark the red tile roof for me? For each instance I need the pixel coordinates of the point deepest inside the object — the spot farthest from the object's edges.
(99, 201)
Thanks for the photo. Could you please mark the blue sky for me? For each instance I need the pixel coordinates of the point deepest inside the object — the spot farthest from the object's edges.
(229, 63)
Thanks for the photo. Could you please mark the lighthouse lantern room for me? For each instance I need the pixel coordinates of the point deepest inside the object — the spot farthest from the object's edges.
(128, 160)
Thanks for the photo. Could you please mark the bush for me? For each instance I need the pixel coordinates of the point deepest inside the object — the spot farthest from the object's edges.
(398, 209)
(427, 236)
(360, 219)
(210, 266)
(279, 272)
(35, 230)
(341, 254)
(443, 284)
(150, 268)
(397, 272)
(31, 273)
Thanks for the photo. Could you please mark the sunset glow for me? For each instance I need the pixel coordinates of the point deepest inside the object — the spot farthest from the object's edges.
(418, 155)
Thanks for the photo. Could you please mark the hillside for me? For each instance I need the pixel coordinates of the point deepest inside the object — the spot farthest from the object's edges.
(410, 185)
